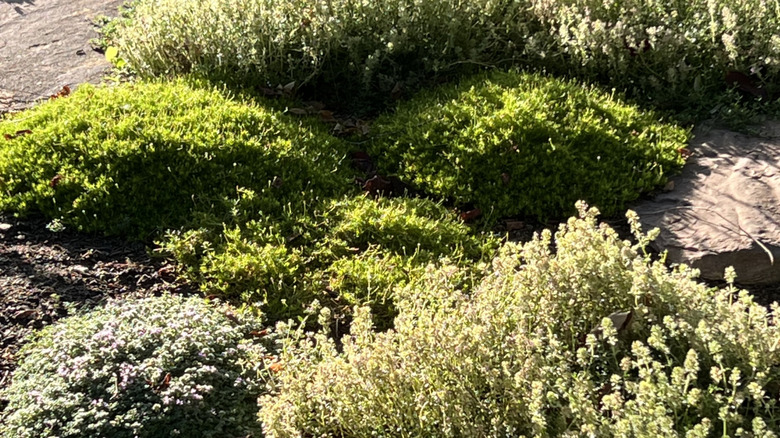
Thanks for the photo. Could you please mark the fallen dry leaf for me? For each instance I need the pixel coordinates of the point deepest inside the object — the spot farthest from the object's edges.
(56, 180)
(24, 314)
(470, 215)
(327, 116)
(62, 93)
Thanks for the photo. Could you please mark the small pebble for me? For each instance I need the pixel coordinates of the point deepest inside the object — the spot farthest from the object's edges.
(5, 227)
(81, 269)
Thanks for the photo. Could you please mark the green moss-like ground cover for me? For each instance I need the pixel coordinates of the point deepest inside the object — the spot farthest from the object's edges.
(259, 206)
(344, 252)
(255, 205)
(576, 334)
(141, 158)
(522, 144)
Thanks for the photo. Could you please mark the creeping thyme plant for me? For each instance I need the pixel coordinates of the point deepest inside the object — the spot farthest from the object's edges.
(148, 367)
(594, 339)
(673, 53)
(452, 333)
(345, 251)
(349, 48)
(254, 204)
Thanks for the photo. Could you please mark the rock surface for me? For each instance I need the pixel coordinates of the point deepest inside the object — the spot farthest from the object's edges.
(724, 208)
(44, 45)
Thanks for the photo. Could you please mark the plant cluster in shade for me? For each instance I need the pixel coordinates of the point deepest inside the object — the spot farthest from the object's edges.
(668, 53)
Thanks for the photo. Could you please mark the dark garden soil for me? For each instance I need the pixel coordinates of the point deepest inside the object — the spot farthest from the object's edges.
(42, 273)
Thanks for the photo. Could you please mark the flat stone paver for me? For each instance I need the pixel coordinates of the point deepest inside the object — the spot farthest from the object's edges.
(724, 208)
(44, 45)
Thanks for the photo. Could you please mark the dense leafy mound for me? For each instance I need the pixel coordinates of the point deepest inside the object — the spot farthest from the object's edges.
(151, 367)
(257, 205)
(341, 47)
(140, 158)
(520, 144)
(669, 53)
(593, 339)
(354, 249)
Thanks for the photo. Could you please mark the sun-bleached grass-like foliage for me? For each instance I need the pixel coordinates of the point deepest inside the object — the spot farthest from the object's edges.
(592, 339)
(676, 53)
(670, 53)
(342, 45)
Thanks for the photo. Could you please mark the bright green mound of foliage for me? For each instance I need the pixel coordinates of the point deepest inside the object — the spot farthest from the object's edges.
(521, 144)
(356, 249)
(340, 46)
(140, 158)
(149, 367)
(593, 339)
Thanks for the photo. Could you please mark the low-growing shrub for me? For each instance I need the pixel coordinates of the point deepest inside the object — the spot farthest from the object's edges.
(674, 54)
(148, 367)
(137, 159)
(521, 144)
(339, 47)
(594, 339)
(357, 249)
(256, 205)
(668, 53)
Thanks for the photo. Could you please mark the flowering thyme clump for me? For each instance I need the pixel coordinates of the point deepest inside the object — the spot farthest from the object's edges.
(140, 368)
(585, 337)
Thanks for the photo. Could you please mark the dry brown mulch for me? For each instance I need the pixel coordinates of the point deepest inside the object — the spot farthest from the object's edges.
(42, 271)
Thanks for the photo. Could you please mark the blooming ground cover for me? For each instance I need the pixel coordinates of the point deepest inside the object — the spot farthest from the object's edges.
(353, 282)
